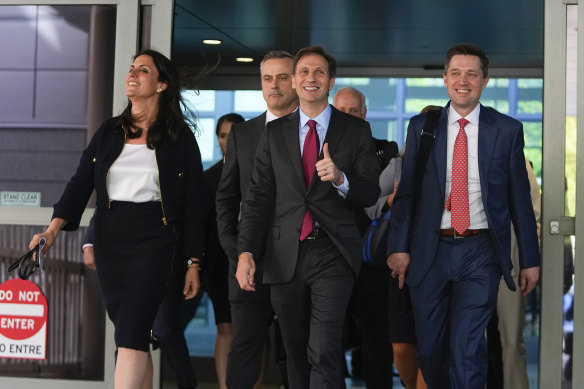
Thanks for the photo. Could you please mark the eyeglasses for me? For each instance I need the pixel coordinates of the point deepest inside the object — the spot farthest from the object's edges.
(27, 264)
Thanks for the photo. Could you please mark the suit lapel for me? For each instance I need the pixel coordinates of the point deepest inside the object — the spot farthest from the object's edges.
(440, 149)
(291, 137)
(334, 134)
(487, 139)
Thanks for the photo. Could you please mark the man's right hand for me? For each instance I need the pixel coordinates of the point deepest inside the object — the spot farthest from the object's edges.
(88, 257)
(245, 272)
(398, 264)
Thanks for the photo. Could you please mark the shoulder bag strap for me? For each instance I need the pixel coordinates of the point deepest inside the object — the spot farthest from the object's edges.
(426, 140)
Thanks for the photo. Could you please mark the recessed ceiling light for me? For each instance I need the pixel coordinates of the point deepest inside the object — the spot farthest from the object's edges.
(244, 59)
(212, 41)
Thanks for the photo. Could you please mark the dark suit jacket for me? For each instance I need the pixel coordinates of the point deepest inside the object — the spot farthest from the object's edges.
(277, 198)
(214, 258)
(504, 189)
(179, 170)
(236, 176)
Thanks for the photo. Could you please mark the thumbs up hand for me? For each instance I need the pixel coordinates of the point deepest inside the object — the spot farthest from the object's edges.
(326, 169)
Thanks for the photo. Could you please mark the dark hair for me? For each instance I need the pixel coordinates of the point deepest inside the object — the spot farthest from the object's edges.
(431, 108)
(170, 123)
(468, 49)
(230, 117)
(276, 54)
(320, 51)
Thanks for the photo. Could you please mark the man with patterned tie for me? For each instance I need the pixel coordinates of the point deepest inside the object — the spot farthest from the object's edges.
(312, 170)
(454, 238)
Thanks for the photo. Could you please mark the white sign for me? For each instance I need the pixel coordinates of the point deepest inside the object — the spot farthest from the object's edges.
(20, 199)
(23, 320)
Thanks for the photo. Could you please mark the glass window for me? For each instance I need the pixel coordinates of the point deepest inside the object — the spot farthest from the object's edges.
(420, 92)
(249, 101)
(383, 129)
(210, 150)
(529, 96)
(201, 101)
(496, 95)
(532, 134)
(380, 93)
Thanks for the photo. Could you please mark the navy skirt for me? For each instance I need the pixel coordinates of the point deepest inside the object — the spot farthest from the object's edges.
(134, 255)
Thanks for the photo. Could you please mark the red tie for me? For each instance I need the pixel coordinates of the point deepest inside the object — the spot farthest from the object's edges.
(309, 157)
(457, 202)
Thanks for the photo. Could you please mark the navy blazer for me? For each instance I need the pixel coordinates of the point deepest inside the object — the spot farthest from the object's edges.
(181, 183)
(278, 198)
(504, 188)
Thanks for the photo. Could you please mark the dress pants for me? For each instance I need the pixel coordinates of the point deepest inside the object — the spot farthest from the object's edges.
(311, 310)
(452, 307)
(251, 313)
(369, 308)
(511, 314)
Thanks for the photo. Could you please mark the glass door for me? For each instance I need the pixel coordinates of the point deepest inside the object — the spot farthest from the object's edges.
(62, 67)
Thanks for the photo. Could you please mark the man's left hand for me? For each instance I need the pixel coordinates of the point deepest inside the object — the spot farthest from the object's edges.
(528, 279)
(327, 170)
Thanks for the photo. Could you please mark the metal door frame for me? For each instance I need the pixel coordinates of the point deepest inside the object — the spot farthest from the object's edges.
(553, 197)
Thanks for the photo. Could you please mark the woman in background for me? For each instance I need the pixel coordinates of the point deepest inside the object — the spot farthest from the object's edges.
(216, 262)
(145, 167)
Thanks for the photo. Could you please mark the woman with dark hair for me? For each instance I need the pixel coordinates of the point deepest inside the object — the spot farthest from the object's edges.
(216, 262)
(145, 167)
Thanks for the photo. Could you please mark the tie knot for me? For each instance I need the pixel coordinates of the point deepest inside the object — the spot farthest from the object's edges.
(463, 122)
(311, 124)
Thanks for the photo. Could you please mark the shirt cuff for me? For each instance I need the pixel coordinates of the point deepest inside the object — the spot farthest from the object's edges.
(343, 189)
(86, 245)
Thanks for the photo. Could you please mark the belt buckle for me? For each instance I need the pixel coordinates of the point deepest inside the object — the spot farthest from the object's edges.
(456, 235)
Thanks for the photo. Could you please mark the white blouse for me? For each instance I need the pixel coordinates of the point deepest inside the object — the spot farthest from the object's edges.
(134, 175)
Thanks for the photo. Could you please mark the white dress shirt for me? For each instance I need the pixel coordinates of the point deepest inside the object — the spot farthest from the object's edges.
(478, 217)
(134, 175)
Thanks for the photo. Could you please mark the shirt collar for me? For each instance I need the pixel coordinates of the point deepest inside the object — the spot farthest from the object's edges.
(322, 119)
(270, 116)
(472, 117)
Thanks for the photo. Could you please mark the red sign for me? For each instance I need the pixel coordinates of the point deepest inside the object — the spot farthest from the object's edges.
(23, 320)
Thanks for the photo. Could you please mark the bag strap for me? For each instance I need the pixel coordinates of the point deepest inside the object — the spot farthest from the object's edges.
(426, 140)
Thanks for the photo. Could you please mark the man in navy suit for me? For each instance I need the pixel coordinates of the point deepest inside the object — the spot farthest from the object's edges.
(306, 209)
(455, 248)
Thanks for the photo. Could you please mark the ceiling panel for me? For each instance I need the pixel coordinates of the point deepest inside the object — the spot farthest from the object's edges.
(362, 34)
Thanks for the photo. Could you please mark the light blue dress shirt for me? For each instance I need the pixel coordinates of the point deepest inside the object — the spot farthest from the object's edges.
(322, 123)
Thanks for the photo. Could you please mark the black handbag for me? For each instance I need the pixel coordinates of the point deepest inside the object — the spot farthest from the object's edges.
(375, 248)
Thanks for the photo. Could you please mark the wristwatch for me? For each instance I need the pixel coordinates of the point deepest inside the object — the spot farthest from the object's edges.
(192, 262)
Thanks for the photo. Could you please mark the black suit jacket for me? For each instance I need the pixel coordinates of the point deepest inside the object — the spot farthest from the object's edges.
(277, 198)
(239, 157)
(215, 257)
(180, 174)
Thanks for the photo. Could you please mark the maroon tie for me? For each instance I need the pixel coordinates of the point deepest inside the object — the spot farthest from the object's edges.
(309, 157)
(457, 202)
